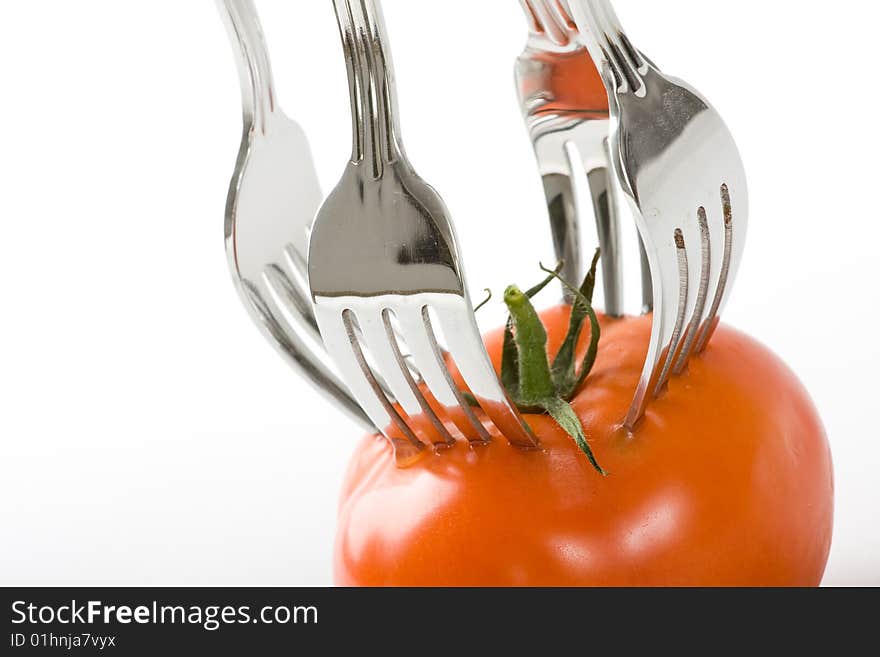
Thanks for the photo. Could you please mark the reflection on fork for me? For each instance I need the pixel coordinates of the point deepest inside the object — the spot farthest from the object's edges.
(565, 106)
(679, 165)
(386, 278)
(273, 197)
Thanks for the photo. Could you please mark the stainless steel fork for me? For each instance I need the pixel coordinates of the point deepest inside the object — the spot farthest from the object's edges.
(565, 108)
(385, 273)
(679, 165)
(273, 198)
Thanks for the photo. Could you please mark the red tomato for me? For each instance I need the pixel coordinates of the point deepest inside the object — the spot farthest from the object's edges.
(726, 481)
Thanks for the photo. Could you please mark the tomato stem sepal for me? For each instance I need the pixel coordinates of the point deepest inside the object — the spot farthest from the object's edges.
(531, 381)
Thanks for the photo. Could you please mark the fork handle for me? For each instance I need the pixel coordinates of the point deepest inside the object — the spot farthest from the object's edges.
(254, 71)
(375, 131)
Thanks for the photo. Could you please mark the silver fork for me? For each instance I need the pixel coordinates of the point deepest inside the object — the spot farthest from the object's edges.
(679, 165)
(565, 108)
(273, 198)
(385, 272)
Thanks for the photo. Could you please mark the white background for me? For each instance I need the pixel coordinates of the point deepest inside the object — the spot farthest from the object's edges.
(150, 436)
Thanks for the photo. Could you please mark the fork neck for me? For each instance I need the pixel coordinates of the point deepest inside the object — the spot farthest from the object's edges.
(610, 48)
(254, 71)
(375, 131)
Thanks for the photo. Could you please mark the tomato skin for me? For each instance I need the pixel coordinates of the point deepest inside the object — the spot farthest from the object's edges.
(727, 481)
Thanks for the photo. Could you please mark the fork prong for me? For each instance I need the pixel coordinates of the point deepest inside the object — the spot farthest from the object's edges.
(295, 268)
(561, 208)
(466, 348)
(287, 311)
(442, 437)
(711, 321)
(420, 339)
(276, 324)
(683, 284)
(377, 345)
(281, 284)
(340, 337)
(660, 333)
(608, 230)
(702, 293)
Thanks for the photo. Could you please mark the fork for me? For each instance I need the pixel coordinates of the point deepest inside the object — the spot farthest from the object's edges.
(272, 200)
(565, 108)
(679, 165)
(385, 274)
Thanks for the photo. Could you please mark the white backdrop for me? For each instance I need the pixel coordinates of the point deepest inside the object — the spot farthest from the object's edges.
(150, 436)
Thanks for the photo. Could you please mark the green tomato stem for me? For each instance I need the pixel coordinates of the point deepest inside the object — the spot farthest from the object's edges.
(535, 381)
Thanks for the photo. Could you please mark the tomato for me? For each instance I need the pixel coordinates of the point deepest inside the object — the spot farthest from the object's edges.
(727, 480)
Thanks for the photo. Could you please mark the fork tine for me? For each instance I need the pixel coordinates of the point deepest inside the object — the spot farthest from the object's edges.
(668, 277)
(376, 344)
(711, 321)
(605, 211)
(290, 344)
(683, 283)
(340, 337)
(444, 438)
(381, 342)
(466, 348)
(287, 308)
(420, 338)
(702, 293)
(296, 271)
(279, 283)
